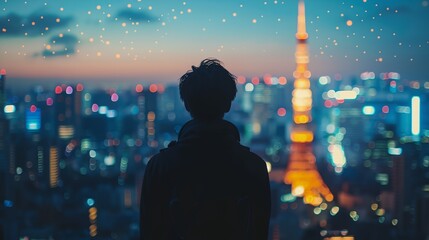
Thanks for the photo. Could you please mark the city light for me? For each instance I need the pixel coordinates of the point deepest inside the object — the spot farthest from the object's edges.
(33, 119)
(249, 87)
(95, 107)
(403, 109)
(301, 83)
(92, 153)
(368, 110)
(114, 97)
(415, 115)
(139, 88)
(343, 95)
(302, 137)
(367, 75)
(269, 166)
(267, 79)
(334, 210)
(49, 101)
(301, 93)
(337, 155)
(281, 112)
(255, 80)
(395, 151)
(102, 110)
(282, 81)
(298, 191)
(288, 198)
(53, 167)
(8, 203)
(385, 109)
(90, 202)
(153, 88)
(9, 109)
(324, 80)
(93, 221)
(69, 90)
(241, 79)
(65, 131)
(79, 87)
(111, 113)
(274, 81)
(331, 93)
(58, 89)
(109, 160)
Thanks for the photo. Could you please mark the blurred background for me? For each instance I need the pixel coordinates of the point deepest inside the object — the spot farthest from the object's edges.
(332, 95)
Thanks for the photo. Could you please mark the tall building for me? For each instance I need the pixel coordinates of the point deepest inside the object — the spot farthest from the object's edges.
(2, 90)
(4, 126)
(6, 191)
(68, 102)
(301, 171)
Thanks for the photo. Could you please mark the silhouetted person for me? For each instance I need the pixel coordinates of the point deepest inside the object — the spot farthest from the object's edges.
(206, 185)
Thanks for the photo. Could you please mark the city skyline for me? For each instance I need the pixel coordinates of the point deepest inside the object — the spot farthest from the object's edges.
(149, 41)
(70, 146)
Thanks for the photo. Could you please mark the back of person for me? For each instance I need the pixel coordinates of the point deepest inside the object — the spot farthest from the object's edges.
(206, 185)
(218, 186)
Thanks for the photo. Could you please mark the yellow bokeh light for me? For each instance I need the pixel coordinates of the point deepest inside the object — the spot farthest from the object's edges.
(302, 83)
(349, 23)
(298, 191)
(302, 137)
(301, 119)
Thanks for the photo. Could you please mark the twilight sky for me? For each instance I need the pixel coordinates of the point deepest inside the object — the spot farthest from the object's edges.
(157, 41)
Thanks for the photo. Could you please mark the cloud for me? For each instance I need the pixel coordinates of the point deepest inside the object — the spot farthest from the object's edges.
(13, 24)
(67, 39)
(137, 16)
(60, 46)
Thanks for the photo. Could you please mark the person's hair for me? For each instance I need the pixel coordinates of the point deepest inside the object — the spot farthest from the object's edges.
(208, 90)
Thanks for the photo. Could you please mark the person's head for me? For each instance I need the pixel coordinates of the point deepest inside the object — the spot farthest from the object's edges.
(208, 90)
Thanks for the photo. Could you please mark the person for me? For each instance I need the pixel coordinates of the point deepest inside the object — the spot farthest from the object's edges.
(206, 185)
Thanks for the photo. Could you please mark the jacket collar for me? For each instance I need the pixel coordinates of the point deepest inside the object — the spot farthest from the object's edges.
(216, 129)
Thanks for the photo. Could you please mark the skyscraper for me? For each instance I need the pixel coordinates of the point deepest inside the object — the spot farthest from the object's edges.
(4, 127)
(5, 177)
(2, 89)
(301, 170)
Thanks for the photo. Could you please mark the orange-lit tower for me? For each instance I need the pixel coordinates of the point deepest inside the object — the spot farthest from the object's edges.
(301, 171)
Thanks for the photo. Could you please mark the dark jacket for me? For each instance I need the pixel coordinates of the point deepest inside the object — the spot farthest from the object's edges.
(205, 186)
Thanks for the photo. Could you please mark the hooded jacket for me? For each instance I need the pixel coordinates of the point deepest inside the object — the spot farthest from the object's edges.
(205, 186)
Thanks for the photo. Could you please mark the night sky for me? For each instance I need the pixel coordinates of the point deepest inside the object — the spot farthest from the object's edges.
(157, 41)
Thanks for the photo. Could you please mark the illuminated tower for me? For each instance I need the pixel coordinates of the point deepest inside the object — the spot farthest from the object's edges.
(301, 171)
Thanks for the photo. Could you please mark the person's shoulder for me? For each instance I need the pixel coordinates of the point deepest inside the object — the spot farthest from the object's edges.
(165, 155)
(251, 156)
(246, 151)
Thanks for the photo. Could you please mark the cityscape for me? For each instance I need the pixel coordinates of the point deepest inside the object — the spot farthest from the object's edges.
(347, 156)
